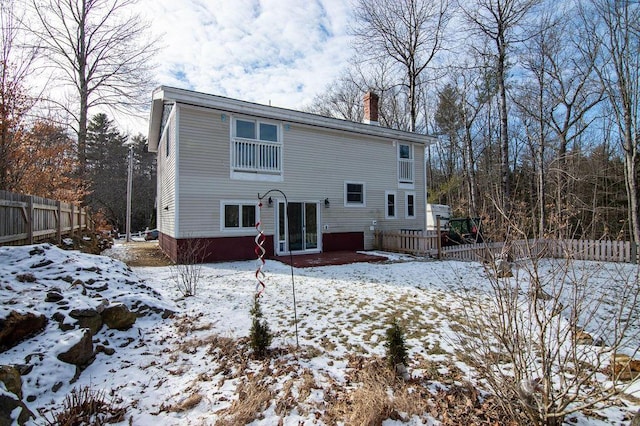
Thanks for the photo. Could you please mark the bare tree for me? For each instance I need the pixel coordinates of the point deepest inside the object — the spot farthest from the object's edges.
(101, 50)
(617, 34)
(411, 32)
(544, 336)
(500, 22)
(16, 65)
(343, 98)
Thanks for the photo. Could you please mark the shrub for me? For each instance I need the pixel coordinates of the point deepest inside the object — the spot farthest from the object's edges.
(86, 406)
(260, 336)
(396, 346)
(187, 272)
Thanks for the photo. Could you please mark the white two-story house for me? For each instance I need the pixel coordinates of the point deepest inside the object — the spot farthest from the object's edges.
(342, 180)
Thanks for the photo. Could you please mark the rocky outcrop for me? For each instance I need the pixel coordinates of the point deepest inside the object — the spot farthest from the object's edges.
(10, 376)
(9, 404)
(80, 352)
(87, 318)
(18, 326)
(12, 399)
(118, 316)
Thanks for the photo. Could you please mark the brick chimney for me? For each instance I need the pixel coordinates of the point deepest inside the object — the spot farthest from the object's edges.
(371, 108)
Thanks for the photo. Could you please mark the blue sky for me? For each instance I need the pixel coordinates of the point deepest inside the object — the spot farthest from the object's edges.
(281, 52)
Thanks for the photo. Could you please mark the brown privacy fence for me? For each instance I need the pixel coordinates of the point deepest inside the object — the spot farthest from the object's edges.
(427, 243)
(25, 219)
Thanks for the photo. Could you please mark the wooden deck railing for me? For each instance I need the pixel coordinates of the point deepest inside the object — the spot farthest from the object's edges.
(427, 244)
(25, 219)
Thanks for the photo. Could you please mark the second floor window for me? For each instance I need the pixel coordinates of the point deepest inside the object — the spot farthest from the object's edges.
(256, 146)
(405, 164)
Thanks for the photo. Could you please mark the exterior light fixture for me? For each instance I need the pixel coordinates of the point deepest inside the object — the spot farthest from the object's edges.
(270, 201)
(326, 202)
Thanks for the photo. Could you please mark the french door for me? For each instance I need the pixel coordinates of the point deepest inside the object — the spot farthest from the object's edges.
(300, 232)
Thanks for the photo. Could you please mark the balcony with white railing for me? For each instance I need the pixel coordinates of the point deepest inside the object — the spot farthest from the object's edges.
(255, 156)
(405, 170)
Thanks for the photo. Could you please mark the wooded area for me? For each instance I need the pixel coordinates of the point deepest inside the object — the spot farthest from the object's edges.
(535, 104)
(93, 54)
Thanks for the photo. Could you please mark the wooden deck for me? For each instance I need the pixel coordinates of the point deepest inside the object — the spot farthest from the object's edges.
(328, 258)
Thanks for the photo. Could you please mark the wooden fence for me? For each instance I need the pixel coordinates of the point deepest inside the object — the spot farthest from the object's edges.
(25, 219)
(421, 243)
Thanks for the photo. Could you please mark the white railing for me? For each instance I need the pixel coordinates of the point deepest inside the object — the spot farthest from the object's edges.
(405, 170)
(256, 156)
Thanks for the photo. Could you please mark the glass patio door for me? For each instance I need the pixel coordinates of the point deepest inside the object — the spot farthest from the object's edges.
(301, 230)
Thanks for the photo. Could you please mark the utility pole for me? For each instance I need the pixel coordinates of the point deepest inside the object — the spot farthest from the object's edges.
(129, 188)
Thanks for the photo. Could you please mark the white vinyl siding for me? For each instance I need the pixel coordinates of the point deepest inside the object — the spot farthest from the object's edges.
(316, 164)
(167, 178)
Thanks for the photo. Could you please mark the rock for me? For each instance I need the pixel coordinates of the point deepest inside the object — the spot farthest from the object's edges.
(59, 317)
(80, 353)
(10, 376)
(53, 296)
(401, 371)
(623, 367)
(118, 316)
(105, 350)
(583, 338)
(17, 326)
(9, 406)
(87, 318)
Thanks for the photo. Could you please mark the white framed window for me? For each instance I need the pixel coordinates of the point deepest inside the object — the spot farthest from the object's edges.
(410, 205)
(256, 146)
(167, 112)
(354, 194)
(238, 215)
(390, 205)
(405, 164)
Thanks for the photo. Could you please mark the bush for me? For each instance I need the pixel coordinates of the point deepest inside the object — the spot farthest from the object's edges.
(187, 272)
(86, 406)
(260, 336)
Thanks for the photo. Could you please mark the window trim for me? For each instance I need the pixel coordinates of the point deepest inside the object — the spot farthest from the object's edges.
(406, 205)
(257, 121)
(364, 194)
(254, 172)
(240, 204)
(411, 160)
(386, 205)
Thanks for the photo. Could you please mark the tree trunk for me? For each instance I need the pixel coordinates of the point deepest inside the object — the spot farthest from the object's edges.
(504, 123)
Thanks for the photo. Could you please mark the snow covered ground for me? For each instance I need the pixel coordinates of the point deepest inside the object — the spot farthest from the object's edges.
(192, 368)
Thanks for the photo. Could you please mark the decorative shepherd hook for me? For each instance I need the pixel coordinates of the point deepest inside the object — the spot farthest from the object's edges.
(260, 251)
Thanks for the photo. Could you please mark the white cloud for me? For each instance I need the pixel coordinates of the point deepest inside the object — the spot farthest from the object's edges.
(279, 51)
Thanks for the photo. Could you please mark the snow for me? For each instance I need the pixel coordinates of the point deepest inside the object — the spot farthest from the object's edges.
(160, 363)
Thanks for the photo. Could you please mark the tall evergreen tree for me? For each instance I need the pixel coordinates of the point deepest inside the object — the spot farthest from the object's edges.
(107, 170)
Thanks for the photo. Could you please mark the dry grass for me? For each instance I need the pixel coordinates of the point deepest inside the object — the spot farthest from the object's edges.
(377, 396)
(87, 406)
(254, 396)
(186, 404)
